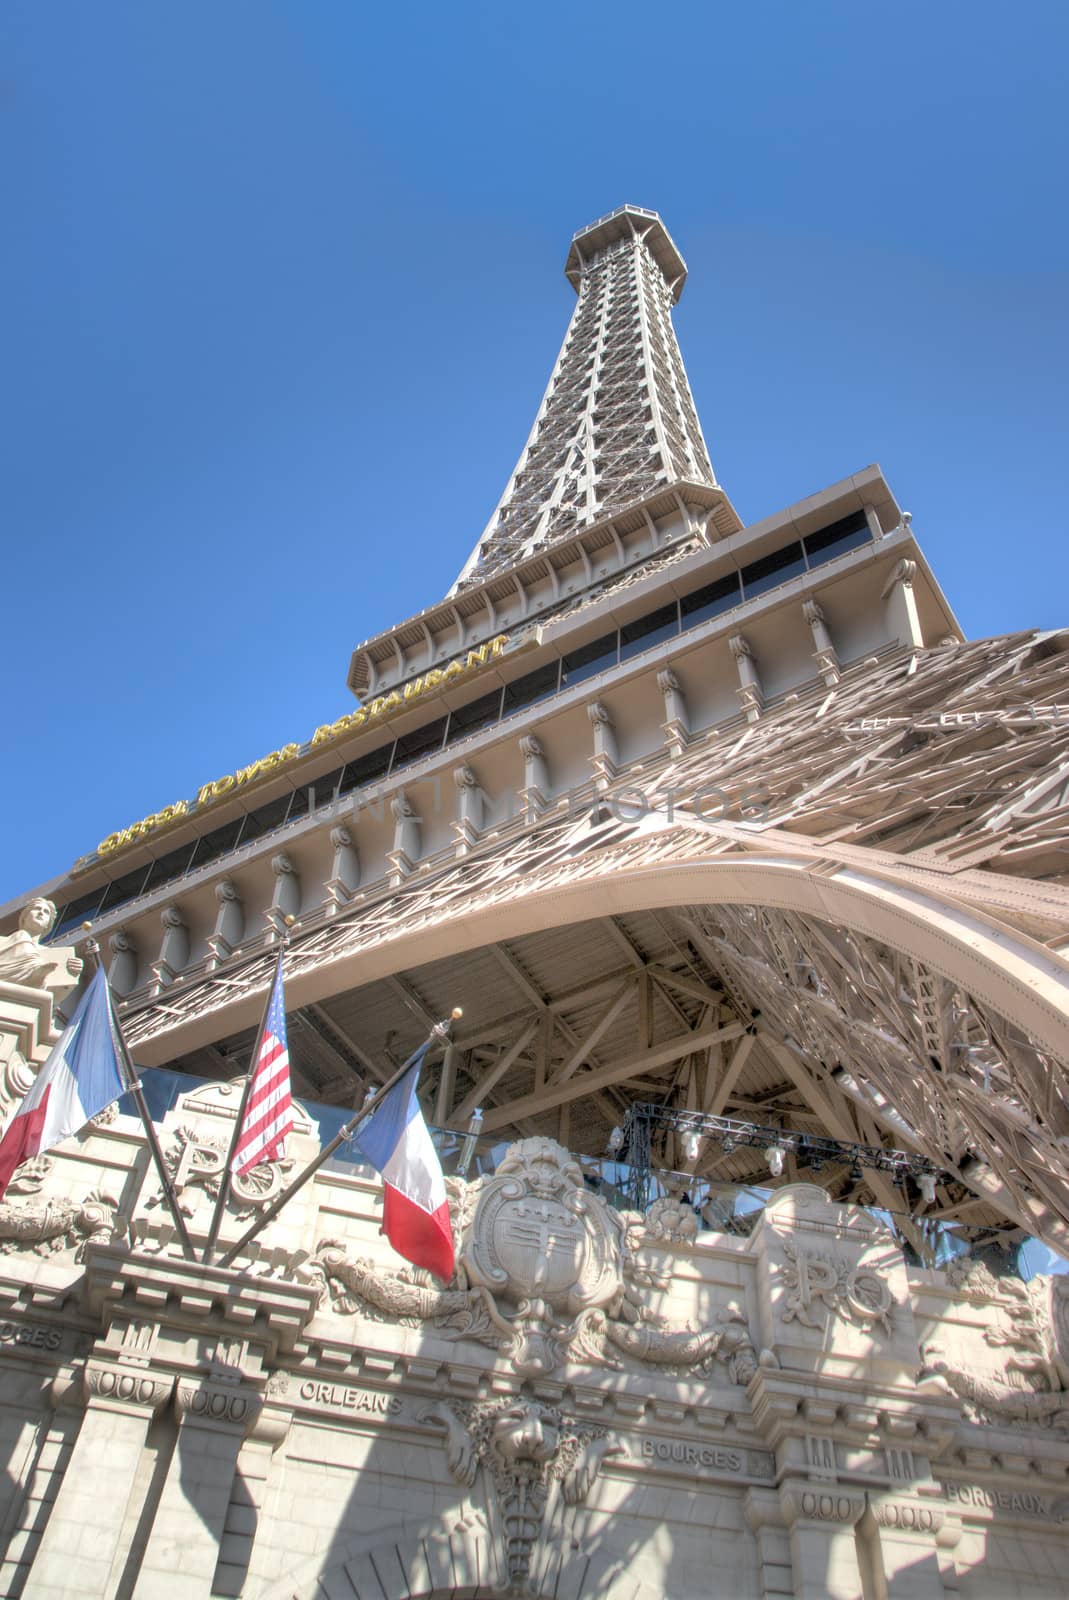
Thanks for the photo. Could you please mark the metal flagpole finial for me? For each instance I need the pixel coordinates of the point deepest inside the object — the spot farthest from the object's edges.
(441, 1029)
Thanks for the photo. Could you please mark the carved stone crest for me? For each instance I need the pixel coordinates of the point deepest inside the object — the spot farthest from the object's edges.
(547, 1272)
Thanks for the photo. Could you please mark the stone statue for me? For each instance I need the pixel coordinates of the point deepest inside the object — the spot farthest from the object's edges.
(23, 958)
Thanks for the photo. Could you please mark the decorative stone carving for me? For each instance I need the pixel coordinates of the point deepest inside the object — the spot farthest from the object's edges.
(824, 653)
(229, 927)
(31, 1175)
(546, 1273)
(24, 959)
(524, 1447)
(344, 878)
(122, 974)
(407, 836)
(987, 1399)
(852, 1291)
(1030, 1323)
(750, 693)
(120, 1385)
(224, 1405)
(536, 784)
(48, 1226)
(471, 808)
(676, 723)
(606, 757)
(670, 1218)
(286, 897)
(174, 947)
(196, 1160)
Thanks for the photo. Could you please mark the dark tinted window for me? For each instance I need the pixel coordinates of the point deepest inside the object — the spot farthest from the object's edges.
(415, 745)
(479, 714)
(710, 601)
(648, 630)
(169, 867)
(365, 769)
(298, 805)
(266, 817)
(326, 786)
(589, 659)
(772, 570)
(124, 888)
(531, 688)
(836, 539)
(80, 910)
(217, 843)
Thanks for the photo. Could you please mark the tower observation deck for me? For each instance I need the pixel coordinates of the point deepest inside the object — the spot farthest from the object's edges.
(617, 420)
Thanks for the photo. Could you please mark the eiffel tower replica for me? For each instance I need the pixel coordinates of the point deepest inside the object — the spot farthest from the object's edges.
(740, 860)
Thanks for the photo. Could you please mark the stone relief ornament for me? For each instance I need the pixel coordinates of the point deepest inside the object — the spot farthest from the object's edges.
(524, 1447)
(855, 1292)
(988, 1398)
(547, 1272)
(196, 1160)
(31, 1176)
(47, 1226)
(1031, 1326)
(671, 1218)
(24, 959)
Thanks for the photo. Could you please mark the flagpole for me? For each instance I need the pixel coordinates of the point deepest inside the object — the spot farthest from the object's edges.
(134, 1089)
(439, 1031)
(224, 1185)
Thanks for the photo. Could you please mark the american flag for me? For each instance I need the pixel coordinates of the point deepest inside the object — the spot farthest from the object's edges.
(268, 1108)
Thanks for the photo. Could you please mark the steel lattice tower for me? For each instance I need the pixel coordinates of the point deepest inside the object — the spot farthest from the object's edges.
(617, 420)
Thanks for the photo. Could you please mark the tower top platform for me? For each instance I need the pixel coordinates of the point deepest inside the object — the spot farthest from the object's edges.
(619, 224)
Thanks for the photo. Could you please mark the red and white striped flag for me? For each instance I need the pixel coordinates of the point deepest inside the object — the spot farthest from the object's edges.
(268, 1107)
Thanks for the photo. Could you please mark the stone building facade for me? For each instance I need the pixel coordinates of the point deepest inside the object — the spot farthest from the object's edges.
(722, 823)
(601, 1403)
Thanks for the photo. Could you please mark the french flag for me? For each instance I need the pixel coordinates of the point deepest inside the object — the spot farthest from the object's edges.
(396, 1141)
(83, 1075)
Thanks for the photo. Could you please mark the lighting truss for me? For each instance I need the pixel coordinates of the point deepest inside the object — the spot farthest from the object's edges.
(635, 1146)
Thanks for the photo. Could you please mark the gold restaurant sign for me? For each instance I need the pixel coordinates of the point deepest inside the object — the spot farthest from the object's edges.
(381, 709)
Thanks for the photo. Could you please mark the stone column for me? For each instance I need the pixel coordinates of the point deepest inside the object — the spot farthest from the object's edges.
(122, 973)
(821, 1519)
(536, 784)
(286, 899)
(247, 1495)
(908, 1535)
(606, 757)
(824, 653)
(676, 723)
(471, 809)
(751, 696)
(903, 621)
(344, 879)
(183, 1548)
(229, 928)
(407, 843)
(174, 948)
(764, 1515)
(81, 1541)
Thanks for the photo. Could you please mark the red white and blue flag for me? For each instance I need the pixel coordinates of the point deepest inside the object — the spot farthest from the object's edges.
(268, 1111)
(396, 1141)
(82, 1076)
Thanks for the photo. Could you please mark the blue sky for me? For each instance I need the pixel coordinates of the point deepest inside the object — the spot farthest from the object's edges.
(282, 285)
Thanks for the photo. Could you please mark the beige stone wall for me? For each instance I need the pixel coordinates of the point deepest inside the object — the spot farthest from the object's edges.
(792, 1414)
